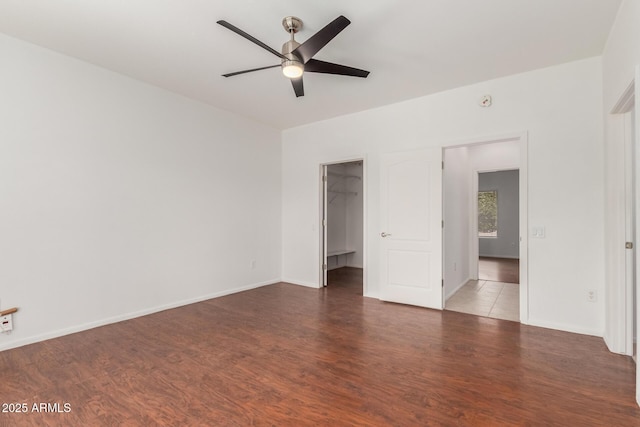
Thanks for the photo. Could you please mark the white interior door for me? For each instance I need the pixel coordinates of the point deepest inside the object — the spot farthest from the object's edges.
(411, 235)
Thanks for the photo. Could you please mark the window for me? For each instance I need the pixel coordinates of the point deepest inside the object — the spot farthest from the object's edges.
(487, 213)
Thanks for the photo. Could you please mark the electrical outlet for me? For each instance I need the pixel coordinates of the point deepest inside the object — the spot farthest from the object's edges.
(6, 323)
(592, 295)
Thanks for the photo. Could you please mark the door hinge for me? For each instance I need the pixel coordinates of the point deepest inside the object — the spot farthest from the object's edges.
(324, 222)
(443, 223)
(324, 178)
(443, 283)
(324, 266)
(628, 245)
(443, 165)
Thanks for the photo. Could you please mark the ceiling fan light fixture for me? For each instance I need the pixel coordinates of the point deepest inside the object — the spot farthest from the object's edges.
(292, 69)
(296, 58)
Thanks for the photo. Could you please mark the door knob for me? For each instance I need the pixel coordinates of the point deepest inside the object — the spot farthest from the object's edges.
(383, 234)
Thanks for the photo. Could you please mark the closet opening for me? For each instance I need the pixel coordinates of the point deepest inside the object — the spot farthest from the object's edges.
(342, 259)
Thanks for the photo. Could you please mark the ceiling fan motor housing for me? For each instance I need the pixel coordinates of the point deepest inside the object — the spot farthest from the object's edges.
(292, 25)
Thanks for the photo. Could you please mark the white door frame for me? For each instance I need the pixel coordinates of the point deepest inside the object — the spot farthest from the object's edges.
(324, 262)
(630, 230)
(636, 166)
(619, 293)
(323, 212)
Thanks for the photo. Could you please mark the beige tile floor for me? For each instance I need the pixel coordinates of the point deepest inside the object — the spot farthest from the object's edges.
(485, 298)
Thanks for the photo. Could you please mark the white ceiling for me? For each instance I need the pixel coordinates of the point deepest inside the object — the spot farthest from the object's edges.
(412, 47)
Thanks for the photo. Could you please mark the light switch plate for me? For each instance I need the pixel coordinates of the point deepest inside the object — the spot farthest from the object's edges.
(538, 232)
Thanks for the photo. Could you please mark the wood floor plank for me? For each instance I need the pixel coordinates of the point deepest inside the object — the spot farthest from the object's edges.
(499, 269)
(289, 355)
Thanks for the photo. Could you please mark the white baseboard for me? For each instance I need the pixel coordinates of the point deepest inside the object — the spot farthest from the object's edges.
(127, 316)
(456, 289)
(301, 283)
(564, 327)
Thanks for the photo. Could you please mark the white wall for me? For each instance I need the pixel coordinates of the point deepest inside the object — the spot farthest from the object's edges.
(506, 243)
(355, 215)
(495, 156)
(619, 61)
(119, 199)
(457, 237)
(622, 53)
(565, 195)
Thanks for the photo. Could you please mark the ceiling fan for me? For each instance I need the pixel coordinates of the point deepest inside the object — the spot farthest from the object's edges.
(297, 58)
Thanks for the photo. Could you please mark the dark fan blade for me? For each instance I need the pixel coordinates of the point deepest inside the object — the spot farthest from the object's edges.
(248, 71)
(317, 41)
(250, 38)
(298, 87)
(315, 66)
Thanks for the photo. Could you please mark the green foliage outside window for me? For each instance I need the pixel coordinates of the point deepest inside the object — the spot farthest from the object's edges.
(488, 214)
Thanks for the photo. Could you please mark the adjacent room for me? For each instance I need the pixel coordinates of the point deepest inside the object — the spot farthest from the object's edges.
(494, 291)
(294, 213)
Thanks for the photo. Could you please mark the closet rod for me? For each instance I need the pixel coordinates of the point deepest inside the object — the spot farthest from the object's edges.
(351, 193)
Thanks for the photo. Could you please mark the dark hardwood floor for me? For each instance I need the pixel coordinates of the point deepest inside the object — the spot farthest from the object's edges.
(499, 269)
(346, 277)
(290, 355)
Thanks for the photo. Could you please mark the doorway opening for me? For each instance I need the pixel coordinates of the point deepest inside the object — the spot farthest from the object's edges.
(485, 233)
(498, 247)
(342, 259)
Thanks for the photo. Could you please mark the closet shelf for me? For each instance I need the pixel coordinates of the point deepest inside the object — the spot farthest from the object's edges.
(340, 252)
(336, 193)
(344, 175)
